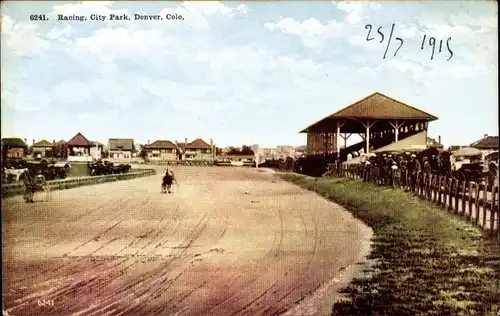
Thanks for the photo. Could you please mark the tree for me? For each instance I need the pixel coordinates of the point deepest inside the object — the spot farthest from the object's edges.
(143, 154)
(247, 150)
(233, 151)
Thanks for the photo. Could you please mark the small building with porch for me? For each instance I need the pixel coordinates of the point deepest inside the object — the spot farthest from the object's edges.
(78, 148)
(198, 150)
(120, 148)
(487, 144)
(14, 148)
(42, 149)
(379, 120)
(161, 150)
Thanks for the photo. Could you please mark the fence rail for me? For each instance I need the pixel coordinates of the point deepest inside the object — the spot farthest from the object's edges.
(61, 184)
(181, 162)
(475, 202)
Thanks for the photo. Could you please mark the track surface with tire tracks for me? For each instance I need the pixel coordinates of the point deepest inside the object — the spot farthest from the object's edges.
(227, 241)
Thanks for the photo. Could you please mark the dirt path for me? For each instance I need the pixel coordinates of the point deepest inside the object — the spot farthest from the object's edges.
(228, 241)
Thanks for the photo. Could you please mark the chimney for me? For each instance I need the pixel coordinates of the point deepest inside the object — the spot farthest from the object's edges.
(33, 142)
(439, 139)
(185, 140)
(485, 135)
(26, 141)
(148, 141)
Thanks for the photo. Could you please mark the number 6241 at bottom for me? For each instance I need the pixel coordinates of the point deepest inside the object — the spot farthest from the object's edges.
(45, 302)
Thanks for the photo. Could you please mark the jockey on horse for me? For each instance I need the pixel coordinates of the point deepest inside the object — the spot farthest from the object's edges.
(167, 180)
(29, 185)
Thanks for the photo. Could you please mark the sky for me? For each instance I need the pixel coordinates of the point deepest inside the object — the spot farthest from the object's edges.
(242, 73)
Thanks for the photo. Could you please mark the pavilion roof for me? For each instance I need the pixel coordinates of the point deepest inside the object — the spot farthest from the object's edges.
(79, 140)
(376, 106)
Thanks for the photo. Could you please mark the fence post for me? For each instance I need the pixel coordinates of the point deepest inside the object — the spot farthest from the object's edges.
(415, 185)
(485, 203)
(462, 198)
(469, 213)
(428, 186)
(476, 200)
(421, 184)
(443, 191)
(493, 211)
(439, 189)
(456, 195)
(450, 193)
(434, 185)
(424, 185)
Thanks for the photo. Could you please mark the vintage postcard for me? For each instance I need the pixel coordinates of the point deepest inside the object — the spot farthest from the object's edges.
(250, 158)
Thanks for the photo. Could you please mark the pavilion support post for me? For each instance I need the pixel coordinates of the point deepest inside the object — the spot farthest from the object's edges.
(367, 126)
(337, 136)
(397, 125)
(367, 137)
(345, 137)
(424, 127)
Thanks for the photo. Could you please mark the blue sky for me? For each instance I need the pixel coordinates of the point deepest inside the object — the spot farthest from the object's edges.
(241, 73)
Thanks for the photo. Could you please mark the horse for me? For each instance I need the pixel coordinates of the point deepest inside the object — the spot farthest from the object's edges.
(15, 173)
(34, 183)
(167, 180)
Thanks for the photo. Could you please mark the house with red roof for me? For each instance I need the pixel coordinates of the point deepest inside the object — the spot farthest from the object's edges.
(161, 150)
(198, 149)
(487, 144)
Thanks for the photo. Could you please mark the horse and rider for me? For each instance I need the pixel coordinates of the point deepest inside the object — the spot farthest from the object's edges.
(34, 181)
(167, 180)
(28, 177)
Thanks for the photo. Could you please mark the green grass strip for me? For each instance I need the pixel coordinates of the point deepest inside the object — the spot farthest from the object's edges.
(426, 261)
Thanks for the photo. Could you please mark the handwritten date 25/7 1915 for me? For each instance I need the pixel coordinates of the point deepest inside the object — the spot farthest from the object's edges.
(430, 43)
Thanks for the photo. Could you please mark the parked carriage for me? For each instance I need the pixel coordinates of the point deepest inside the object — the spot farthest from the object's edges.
(12, 171)
(99, 168)
(467, 165)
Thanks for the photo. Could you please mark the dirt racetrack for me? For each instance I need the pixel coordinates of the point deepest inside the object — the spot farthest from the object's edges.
(227, 241)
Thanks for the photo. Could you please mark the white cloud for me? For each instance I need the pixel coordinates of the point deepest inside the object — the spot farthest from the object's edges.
(99, 117)
(23, 39)
(356, 9)
(311, 31)
(308, 28)
(22, 98)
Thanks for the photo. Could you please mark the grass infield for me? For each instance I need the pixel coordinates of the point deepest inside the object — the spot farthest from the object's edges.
(425, 261)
